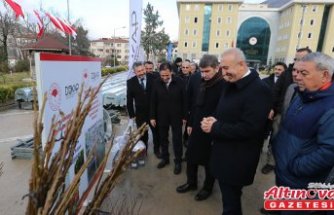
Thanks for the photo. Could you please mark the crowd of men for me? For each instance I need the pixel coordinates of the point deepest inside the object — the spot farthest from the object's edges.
(226, 111)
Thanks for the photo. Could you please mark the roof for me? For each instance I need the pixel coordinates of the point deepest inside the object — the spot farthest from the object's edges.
(111, 40)
(47, 43)
(276, 3)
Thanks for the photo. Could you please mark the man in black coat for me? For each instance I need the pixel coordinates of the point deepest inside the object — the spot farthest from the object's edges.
(138, 94)
(237, 128)
(272, 126)
(199, 146)
(168, 108)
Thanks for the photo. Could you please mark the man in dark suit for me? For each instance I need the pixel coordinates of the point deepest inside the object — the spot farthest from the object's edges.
(149, 67)
(168, 108)
(237, 128)
(138, 98)
(272, 126)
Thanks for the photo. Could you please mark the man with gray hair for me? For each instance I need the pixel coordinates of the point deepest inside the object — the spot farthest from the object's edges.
(304, 146)
(237, 128)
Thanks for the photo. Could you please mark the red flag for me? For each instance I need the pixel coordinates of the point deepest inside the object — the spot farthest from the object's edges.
(40, 24)
(67, 28)
(16, 7)
(55, 22)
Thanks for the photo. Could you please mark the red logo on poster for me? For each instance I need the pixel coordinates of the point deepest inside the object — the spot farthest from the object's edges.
(54, 97)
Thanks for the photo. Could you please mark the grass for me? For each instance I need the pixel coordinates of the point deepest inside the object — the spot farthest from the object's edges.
(14, 79)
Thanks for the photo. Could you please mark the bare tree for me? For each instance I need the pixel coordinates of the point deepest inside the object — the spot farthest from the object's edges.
(7, 25)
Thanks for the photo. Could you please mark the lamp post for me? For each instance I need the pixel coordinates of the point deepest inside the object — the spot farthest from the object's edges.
(115, 44)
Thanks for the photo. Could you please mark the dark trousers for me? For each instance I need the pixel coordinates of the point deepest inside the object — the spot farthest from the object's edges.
(231, 196)
(156, 141)
(177, 141)
(192, 170)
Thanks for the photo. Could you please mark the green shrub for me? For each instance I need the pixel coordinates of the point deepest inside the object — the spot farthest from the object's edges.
(6, 93)
(107, 71)
(21, 65)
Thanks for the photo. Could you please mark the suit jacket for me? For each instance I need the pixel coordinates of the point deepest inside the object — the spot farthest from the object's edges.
(238, 132)
(168, 106)
(138, 99)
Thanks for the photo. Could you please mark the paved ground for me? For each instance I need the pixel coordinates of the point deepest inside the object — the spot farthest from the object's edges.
(147, 186)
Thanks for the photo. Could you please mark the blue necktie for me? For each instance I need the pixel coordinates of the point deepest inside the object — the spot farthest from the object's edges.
(142, 83)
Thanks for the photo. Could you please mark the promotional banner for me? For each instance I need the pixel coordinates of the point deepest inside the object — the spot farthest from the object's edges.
(169, 52)
(61, 76)
(135, 32)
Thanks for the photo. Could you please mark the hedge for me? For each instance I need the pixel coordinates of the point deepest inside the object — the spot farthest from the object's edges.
(106, 71)
(7, 92)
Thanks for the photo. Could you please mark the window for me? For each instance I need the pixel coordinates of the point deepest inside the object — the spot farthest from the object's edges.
(314, 9)
(226, 45)
(195, 20)
(186, 32)
(193, 56)
(187, 7)
(311, 22)
(220, 7)
(228, 33)
(196, 7)
(187, 19)
(229, 20)
(230, 7)
(333, 49)
(194, 44)
(119, 45)
(185, 44)
(195, 32)
(309, 35)
(219, 20)
(217, 45)
(299, 35)
(218, 33)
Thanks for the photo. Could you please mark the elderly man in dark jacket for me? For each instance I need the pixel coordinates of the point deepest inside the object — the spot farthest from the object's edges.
(169, 108)
(199, 146)
(304, 146)
(237, 128)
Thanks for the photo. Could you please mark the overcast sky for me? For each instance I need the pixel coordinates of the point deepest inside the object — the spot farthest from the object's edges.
(100, 17)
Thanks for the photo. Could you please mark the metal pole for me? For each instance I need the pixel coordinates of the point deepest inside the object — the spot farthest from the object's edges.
(68, 20)
(114, 48)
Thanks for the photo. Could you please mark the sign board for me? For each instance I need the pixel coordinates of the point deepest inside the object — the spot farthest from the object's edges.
(61, 76)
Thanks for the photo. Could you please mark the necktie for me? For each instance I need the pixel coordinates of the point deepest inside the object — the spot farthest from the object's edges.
(142, 83)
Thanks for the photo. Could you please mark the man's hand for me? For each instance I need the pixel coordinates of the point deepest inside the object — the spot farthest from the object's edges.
(271, 114)
(153, 122)
(206, 123)
(189, 130)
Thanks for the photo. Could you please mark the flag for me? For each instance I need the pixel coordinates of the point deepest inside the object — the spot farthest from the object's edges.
(135, 32)
(40, 24)
(169, 52)
(16, 7)
(67, 28)
(55, 22)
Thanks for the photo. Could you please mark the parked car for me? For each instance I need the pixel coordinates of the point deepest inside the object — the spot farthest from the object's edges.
(24, 95)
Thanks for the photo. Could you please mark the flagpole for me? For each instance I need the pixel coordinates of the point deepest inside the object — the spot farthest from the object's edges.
(68, 20)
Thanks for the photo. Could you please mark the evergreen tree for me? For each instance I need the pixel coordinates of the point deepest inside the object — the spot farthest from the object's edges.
(153, 40)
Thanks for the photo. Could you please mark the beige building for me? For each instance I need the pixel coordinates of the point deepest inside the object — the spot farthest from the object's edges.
(266, 32)
(106, 47)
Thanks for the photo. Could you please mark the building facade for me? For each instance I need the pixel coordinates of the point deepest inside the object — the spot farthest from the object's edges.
(266, 32)
(105, 48)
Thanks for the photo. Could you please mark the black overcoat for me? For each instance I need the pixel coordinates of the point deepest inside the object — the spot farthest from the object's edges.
(168, 105)
(138, 99)
(238, 133)
(199, 143)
